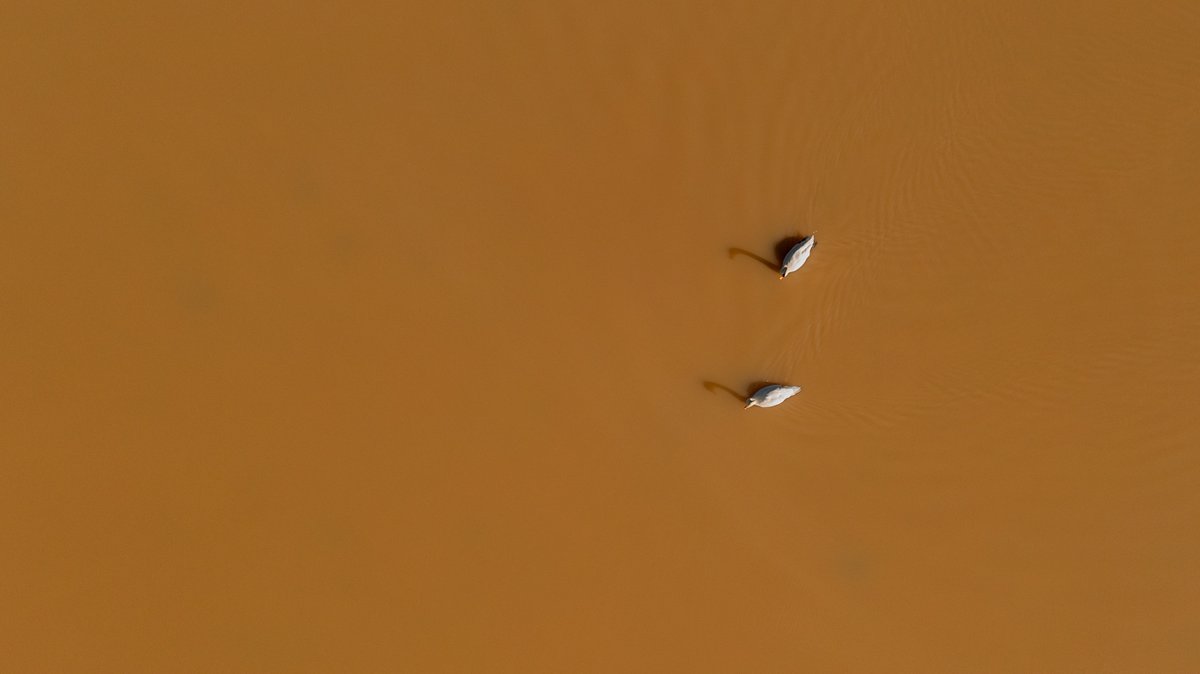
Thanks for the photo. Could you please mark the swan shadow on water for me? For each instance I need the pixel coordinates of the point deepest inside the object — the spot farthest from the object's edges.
(734, 252)
(781, 249)
(713, 387)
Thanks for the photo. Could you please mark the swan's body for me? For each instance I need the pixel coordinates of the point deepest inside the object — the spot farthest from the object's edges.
(770, 396)
(797, 256)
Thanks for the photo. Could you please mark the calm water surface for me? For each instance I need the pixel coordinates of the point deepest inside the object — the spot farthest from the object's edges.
(401, 337)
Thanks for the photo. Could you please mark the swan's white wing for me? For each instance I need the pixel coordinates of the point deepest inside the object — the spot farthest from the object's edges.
(782, 393)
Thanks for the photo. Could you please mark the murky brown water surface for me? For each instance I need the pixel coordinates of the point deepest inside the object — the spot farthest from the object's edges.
(401, 337)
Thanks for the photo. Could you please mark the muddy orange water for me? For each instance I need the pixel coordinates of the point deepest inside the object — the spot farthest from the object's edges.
(411, 337)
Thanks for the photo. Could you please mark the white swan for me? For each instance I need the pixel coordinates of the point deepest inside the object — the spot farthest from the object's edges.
(797, 256)
(770, 396)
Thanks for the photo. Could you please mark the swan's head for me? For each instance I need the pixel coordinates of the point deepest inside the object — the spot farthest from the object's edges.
(782, 273)
(750, 402)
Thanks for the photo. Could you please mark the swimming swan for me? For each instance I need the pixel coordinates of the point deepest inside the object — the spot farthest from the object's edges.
(770, 396)
(797, 256)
